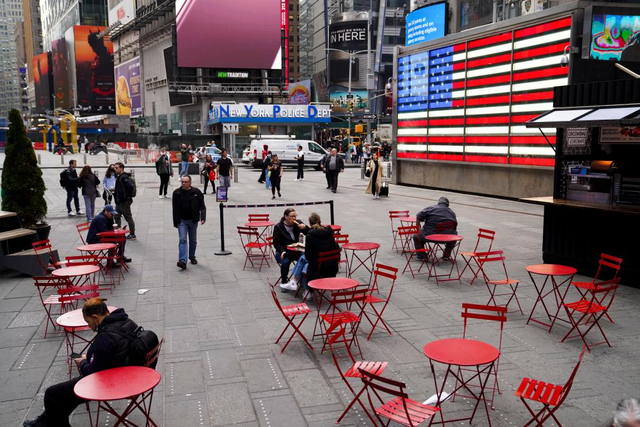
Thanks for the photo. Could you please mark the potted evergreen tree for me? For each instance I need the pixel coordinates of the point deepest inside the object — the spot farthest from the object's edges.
(22, 184)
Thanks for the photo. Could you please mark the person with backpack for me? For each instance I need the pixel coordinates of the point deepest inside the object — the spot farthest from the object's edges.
(124, 193)
(118, 342)
(69, 181)
(164, 171)
(89, 183)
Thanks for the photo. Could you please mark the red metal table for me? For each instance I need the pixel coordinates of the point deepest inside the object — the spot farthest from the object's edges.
(266, 227)
(329, 284)
(135, 383)
(370, 247)
(457, 352)
(73, 322)
(334, 227)
(101, 250)
(550, 271)
(78, 274)
(114, 233)
(438, 242)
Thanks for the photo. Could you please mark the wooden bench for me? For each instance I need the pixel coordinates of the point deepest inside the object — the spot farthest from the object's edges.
(15, 234)
(16, 252)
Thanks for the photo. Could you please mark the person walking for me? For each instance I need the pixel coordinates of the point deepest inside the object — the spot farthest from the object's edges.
(265, 151)
(300, 159)
(184, 158)
(276, 171)
(164, 171)
(86, 144)
(188, 209)
(89, 183)
(374, 169)
(265, 164)
(79, 143)
(70, 181)
(224, 171)
(209, 174)
(334, 165)
(123, 195)
(201, 155)
(366, 153)
(108, 184)
(326, 174)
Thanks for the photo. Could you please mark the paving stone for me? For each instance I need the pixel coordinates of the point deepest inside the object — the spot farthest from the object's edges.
(187, 413)
(262, 375)
(15, 337)
(310, 388)
(278, 411)
(12, 304)
(230, 404)
(29, 318)
(184, 378)
(20, 384)
(13, 412)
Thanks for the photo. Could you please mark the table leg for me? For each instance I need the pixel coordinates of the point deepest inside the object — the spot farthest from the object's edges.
(540, 298)
(560, 297)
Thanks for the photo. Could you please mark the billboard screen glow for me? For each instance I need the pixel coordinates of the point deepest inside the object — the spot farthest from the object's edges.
(238, 34)
(42, 82)
(94, 69)
(615, 37)
(128, 95)
(427, 23)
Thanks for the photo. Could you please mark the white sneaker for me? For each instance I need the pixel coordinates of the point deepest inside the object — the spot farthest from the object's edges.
(296, 179)
(160, 197)
(291, 285)
(167, 197)
(71, 214)
(80, 212)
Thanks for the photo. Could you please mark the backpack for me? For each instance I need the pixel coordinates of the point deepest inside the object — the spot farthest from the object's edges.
(141, 342)
(134, 189)
(64, 178)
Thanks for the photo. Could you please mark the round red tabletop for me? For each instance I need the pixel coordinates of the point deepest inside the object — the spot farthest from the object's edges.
(259, 224)
(117, 383)
(334, 227)
(409, 219)
(333, 284)
(76, 270)
(361, 246)
(96, 247)
(444, 238)
(461, 352)
(114, 233)
(74, 319)
(551, 270)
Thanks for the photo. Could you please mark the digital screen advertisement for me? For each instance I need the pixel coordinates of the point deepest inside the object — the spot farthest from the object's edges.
(340, 101)
(60, 65)
(427, 23)
(300, 92)
(128, 95)
(615, 37)
(42, 82)
(94, 69)
(236, 34)
(348, 35)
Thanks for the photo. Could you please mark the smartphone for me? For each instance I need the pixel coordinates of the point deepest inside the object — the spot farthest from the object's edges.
(75, 355)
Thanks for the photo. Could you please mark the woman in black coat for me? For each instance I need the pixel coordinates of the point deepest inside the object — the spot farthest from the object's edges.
(319, 239)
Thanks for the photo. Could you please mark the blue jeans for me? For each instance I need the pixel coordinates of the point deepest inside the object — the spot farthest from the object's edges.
(300, 271)
(184, 170)
(267, 181)
(189, 227)
(73, 194)
(284, 264)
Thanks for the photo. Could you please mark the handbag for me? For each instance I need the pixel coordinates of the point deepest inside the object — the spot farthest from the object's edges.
(212, 176)
(367, 173)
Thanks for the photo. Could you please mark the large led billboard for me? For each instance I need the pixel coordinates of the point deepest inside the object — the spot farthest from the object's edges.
(236, 34)
(128, 95)
(42, 82)
(123, 11)
(60, 66)
(94, 69)
(427, 23)
(615, 37)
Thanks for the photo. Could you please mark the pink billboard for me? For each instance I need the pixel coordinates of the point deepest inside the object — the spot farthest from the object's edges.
(229, 34)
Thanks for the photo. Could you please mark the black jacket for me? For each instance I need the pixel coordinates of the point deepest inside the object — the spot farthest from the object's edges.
(434, 215)
(90, 185)
(99, 224)
(340, 164)
(320, 240)
(109, 350)
(73, 182)
(282, 238)
(198, 209)
(124, 188)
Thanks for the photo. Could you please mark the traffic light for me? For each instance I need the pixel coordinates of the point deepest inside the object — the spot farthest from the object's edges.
(351, 106)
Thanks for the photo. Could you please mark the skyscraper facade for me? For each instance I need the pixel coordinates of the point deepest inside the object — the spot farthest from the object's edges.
(10, 90)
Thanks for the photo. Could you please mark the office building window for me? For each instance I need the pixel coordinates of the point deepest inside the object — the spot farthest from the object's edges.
(474, 13)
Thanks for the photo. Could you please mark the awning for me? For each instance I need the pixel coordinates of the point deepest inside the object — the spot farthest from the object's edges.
(586, 117)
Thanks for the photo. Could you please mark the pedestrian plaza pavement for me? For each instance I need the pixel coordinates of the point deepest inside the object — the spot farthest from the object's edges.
(219, 363)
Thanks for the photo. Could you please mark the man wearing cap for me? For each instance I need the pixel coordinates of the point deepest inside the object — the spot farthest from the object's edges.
(104, 222)
(432, 217)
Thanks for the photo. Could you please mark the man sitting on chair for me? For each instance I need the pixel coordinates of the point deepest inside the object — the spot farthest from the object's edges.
(432, 217)
(104, 222)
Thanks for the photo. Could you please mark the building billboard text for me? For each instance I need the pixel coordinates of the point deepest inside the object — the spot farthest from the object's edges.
(427, 23)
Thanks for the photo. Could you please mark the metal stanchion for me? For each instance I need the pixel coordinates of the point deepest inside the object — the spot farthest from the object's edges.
(362, 170)
(39, 159)
(85, 158)
(108, 157)
(235, 174)
(61, 158)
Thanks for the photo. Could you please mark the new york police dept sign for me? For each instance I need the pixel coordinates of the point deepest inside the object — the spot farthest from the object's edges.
(276, 113)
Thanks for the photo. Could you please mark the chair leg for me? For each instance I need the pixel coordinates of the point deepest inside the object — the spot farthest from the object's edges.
(296, 330)
(356, 399)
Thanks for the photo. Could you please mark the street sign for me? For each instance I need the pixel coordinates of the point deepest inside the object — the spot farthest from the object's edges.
(230, 128)
(349, 96)
(369, 117)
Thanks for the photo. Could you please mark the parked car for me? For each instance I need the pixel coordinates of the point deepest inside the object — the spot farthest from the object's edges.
(246, 155)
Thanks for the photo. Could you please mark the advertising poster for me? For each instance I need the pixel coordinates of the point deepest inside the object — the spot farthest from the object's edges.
(60, 65)
(123, 11)
(128, 95)
(300, 92)
(340, 102)
(427, 23)
(94, 69)
(321, 91)
(42, 82)
(348, 35)
(240, 34)
(615, 37)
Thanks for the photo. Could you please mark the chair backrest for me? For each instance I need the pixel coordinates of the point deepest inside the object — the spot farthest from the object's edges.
(81, 229)
(341, 239)
(386, 271)
(485, 238)
(567, 387)
(274, 295)
(152, 356)
(446, 226)
(248, 232)
(488, 257)
(484, 312)
(75, 260)
(347, 298)
(42, 247)
(377, 383)
(397, 215)
(409, 230)
(336, 335)
(75, 293)
(328, 256)
(269, 241)
(258, 217)
(605, 292)
(44, 283)
(608, 262)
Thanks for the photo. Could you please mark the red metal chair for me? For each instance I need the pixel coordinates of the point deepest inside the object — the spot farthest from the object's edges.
(341, 311)
(551, 396)
(509, 285)
(396, 215)
(484, 243)
(49, 300)
(606, 262)
(151, 360)
(289, 312)
(81, 228)
(70, 296)
(405, 235)
(494, 314)
(44, 247)
(336, 335)
(75, 260)
(343, 239)
(388, 272)
(258, 217)
(400, 409)
(587, 313)
(115, 257)
(254, 247)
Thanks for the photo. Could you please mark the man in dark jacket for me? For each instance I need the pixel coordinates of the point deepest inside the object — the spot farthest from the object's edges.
(332, 166)
(123, 195)
(108, 350)
(188, 209)
(104, 222)
(285, 233)
(164, 171)
(71, 184)
(432, 217)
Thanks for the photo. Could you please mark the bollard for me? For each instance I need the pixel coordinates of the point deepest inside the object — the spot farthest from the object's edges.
(85, 158)
(126, 157)
(108, 157)
(362, 171)
(39, 159)
(61, 158)
(235, 174)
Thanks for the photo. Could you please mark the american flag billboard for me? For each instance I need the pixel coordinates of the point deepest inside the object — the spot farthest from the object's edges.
(469, 101)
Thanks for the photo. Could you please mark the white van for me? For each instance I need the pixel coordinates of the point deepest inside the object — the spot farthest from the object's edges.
(287, 149)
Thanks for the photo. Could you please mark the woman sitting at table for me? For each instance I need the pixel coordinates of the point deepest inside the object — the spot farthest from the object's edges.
(108, 350)
(285, 233)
